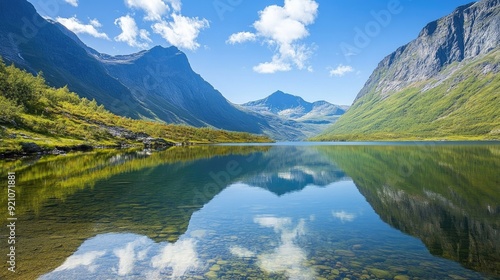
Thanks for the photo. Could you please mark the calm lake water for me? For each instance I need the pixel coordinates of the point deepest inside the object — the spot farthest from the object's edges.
(365, 211)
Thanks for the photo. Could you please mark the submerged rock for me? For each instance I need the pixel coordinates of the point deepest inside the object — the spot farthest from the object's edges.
(31, 148)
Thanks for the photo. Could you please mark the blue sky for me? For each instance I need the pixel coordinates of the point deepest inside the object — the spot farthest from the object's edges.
(317, 49)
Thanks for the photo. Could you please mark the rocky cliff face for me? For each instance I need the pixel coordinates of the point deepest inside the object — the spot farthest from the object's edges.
(470, 31)
(443, 85)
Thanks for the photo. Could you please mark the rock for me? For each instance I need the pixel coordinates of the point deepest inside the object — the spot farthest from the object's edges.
(57, 152)
(344, 253)
(211, 274)
(401, 277)
(82, 148)
(379, 273)
(357, 246)
(215, 267)
(31, 148)
(155, 143)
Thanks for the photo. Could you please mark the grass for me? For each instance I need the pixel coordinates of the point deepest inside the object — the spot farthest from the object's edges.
(50, 117)
(464, 107)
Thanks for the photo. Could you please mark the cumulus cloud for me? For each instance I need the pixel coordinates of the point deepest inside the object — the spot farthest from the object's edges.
(344, 216)
(341, 70)
(180, 257)
(73, 3)
(131, 34)
(283, 27)
(85, 260)
(128, 256)
(78, 27)
(241, 252)
(155, 9)
(288, 257)
(241, 37)
(168, 22)
(181, 31)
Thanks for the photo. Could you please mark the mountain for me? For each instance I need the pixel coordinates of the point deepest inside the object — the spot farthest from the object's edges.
(311, 118)
(434, 193)
(157, 84)
(35, 44)
(444, 84)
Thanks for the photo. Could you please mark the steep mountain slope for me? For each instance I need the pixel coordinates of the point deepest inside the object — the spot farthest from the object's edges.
(444, 84)
(311, 118)
(33, 43)
(162, 79)
(156, 84)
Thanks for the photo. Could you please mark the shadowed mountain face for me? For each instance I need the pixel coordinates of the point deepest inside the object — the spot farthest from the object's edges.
(434, 193)
(35, 44)
(444, 84)
(156, 84)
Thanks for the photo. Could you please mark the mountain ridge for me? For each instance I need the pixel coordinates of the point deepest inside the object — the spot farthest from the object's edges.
(178, 96)
(445, 84)
(452, 38)
(310, 117)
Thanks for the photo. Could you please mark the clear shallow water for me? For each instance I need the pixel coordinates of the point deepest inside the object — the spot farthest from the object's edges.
(282, 212)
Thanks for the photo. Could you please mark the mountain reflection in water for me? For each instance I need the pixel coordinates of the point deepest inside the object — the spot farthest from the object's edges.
(292, 212)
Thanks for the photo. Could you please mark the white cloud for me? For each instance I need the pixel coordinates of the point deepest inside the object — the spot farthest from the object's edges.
(283, 27)
(176, 5)
(241, 252)
(344, 216)
(127, 256)
(95, 23)
(182, 31)
(131, 34)
(86, 260)
(241, 37)
(180, 257)
(78, 27)
(73, 3)
(288, 257)
(155, 9)
(341, 70)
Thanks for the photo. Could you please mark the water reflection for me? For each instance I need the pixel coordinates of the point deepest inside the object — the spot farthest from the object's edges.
(447, 196)
(260, 212)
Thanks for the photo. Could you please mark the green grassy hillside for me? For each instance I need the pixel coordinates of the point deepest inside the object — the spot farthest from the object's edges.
(50, 117)
(465, 106)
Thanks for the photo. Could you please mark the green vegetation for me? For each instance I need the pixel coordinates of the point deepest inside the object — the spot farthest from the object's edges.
(50, 117)
(55, 189)
(466, 106)
(447, 196)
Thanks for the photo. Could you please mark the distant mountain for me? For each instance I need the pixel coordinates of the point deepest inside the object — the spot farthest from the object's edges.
(444, 84)
(157, 84)
(311, 118)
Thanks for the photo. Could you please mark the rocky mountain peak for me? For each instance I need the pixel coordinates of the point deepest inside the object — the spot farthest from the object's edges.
(470, 31)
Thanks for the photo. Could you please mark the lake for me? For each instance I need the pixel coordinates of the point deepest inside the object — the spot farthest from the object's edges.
(291, 211)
